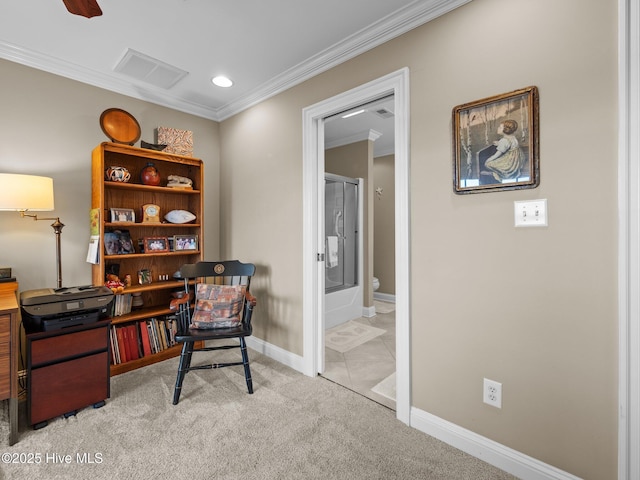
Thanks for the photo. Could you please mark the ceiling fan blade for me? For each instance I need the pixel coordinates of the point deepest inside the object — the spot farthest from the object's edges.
(84, 8)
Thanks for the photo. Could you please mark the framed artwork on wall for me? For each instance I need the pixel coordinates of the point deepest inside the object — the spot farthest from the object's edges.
(495, 143)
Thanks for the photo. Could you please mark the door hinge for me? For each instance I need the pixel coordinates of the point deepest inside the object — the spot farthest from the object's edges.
(320, 257)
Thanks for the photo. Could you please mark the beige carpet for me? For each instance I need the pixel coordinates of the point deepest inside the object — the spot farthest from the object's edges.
(292, 428)
(350, 335)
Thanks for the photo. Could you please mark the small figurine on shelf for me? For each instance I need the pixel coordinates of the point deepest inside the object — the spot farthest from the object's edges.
(177, 181)
(149, 175)
(114, 284)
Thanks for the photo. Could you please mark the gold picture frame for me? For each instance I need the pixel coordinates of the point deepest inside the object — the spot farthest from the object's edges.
(496, 143)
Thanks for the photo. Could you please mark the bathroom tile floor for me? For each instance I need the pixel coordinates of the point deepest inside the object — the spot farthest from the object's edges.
(363, 367)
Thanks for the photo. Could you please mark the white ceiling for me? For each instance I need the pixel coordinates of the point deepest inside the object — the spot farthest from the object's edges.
(264, 46)
(376, 122)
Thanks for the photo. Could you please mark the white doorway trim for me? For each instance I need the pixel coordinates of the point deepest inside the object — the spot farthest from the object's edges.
(629, 239)
(396, 83)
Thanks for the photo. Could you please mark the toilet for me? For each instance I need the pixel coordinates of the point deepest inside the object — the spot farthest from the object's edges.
(376, 284)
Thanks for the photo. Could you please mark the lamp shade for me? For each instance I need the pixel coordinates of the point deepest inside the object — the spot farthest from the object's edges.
(25, 192)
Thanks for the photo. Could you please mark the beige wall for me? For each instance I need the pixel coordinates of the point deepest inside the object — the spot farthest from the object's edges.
(49, 127)
(356, 161)
(384, 242)
(534, 309)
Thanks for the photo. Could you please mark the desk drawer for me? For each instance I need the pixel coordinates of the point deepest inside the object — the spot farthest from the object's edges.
(68, 345)
(5, 363)
(5, 329)
(5, 356)
(68, 386)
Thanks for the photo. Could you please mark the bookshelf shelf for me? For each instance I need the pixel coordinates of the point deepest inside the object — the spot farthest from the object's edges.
(156, 295)
(143, 362)
(141, 314)
(129, 256)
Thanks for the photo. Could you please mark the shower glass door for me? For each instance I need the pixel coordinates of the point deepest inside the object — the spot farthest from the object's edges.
(341, 231)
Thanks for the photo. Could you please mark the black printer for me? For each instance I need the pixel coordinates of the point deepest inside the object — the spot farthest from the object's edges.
(49, 309)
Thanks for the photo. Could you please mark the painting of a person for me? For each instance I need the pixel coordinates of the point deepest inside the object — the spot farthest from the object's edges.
(509, 159)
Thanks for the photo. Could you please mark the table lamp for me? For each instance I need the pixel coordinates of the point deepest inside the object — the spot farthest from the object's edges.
(31, 193)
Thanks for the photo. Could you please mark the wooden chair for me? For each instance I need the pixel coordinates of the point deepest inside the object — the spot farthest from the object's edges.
(216, 305)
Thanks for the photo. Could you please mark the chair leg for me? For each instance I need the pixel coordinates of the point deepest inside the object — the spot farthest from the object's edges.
(185, 362)
(245, 363)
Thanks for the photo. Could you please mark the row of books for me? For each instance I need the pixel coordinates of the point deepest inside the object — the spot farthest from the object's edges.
(122, 305)
(140, 339)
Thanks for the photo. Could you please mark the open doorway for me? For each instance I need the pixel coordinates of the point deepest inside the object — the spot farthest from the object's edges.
(359, 315)
(395, 84)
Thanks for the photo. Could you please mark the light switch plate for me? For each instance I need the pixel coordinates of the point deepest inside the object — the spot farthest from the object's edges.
(531, 213)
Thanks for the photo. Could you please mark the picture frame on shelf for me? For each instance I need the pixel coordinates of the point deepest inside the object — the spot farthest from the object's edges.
(144, 276)
(126, 243)
(122, 215)
(496, 144)
(185, 242)
(118, 242)
(156, 244)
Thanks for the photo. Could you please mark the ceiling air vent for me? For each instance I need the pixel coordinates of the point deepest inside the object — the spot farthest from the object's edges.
(150, 70)
(383, 112)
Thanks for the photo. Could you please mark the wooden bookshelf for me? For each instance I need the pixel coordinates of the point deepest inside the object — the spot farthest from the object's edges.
(162, 265)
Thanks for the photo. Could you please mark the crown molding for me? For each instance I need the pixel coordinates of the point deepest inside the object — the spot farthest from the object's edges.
(372, 135)
(386, 29)
(394, 25)
(57, 66)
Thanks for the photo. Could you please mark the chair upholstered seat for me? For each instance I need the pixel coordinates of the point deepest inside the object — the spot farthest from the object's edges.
(193, 335)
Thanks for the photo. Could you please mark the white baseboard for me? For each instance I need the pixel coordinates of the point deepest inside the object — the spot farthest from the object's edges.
(493, 453)
(385, 297)
(489, 451)
(279, 354)
(368, 312)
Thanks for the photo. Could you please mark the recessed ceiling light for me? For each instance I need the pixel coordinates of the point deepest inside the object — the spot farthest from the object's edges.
(222, 81)
(352, 114)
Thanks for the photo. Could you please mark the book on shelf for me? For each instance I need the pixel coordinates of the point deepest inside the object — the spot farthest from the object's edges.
(120, 344)
(172, 328)
(162, 334)
(143, 338)
(132, 340)
(112, 359)
(152, 343)
(144, 335)
(122, 305)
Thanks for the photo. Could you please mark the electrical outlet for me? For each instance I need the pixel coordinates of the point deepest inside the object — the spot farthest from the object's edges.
(492, 393)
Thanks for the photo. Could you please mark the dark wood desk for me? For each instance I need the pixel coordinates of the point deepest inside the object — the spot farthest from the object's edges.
(9, 324)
